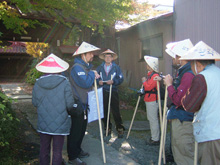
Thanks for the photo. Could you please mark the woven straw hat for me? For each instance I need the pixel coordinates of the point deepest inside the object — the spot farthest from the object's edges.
(152, 62)
(52, 64)
(108, 51)
(84, 48)
(180, 48)
(201, 51)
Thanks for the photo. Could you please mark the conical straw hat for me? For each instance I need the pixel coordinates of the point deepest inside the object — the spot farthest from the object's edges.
(201, 51)
(169, 52)
(52, 64)
(108, 51)
(84, 48)
(180, 48)
(152, 62)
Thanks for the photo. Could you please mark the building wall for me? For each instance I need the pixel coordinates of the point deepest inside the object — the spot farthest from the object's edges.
(130, 48)
(199, 21)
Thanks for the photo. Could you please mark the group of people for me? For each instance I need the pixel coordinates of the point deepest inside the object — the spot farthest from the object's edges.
(192, 102)
(55, 95)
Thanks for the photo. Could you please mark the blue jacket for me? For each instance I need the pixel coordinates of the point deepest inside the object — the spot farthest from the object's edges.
(83, 79)
(52, 95)
(180, 113)
(117, 76)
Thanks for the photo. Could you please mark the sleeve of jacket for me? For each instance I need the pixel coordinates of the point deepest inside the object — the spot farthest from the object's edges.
(68, 96)
(34, 97)
(150, 83)
(80, 77)
(98, 69)
(118, 78)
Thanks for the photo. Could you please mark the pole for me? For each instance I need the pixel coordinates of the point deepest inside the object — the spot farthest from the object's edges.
(109, 104)
(160, 114)
(196, 153)
(100, 124)
(162, 141)
(134, 114)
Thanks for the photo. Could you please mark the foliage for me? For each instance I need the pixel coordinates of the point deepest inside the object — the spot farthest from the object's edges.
(130, 96)
(36, 49)
(95, 14)
(32, 75)
(8, 122)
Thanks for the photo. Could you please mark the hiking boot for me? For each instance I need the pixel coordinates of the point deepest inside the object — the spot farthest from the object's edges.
(76, 161)
(152, 142)
(83, 154)
(120, 132)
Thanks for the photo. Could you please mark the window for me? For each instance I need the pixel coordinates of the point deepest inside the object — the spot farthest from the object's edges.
(152, 46)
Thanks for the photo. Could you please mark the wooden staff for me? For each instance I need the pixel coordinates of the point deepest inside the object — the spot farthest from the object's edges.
(109, 104)
(196, 153)
(134, 114)
(160, 114)
(162, 141)
(100, 124)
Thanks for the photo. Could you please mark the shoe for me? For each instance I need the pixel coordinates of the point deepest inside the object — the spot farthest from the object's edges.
(83, 154)
(76, 161)
(120, 132)
(152, 142)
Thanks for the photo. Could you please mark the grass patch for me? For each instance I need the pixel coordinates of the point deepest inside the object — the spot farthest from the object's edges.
(127, 115)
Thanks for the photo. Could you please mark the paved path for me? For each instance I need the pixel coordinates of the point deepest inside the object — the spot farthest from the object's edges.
(90, 144)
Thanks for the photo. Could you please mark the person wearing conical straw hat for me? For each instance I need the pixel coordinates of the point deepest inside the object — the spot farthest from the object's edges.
(82, 79)
(182, 140)
(107, 69)
(52, 96)
(150, 98)
(203, 99)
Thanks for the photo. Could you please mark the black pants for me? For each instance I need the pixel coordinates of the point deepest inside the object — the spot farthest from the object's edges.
(114, 109)
(74, 139)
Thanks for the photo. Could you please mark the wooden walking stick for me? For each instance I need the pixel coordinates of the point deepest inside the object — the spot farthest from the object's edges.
(196, 153)
(109, 105)
(139, 97)
(160, 114)
(162, 141)
(100, 124)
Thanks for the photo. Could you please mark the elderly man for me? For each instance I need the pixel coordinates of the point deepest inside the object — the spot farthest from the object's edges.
(82, 79)
(107, 69)
(203, 99)
(182, 139)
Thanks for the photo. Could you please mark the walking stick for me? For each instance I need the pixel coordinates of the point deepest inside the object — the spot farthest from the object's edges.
(100, 124)
(109, 104)
(162, 141)
(196, 153)
(134, 114)
(160, 114)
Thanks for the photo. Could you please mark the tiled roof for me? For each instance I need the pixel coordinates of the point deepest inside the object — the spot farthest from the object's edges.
(15, 47)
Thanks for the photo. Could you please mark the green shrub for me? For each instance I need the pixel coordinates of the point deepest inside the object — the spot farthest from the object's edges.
(8, 122)
(32, 75)
(130, 96)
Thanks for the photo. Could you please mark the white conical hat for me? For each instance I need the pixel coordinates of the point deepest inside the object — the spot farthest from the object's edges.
(108, 51)
(169, 52)
(201, 51)
(52, 64)
(180, 48)
(152, 62)
(84, 48)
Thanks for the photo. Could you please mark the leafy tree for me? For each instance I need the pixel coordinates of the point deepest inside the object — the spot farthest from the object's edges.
(36, 49)
(89, 13)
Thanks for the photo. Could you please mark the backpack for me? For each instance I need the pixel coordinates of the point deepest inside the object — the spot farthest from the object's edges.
(154, 91)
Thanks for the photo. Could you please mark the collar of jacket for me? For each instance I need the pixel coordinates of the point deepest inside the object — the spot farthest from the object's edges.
(80, 61)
